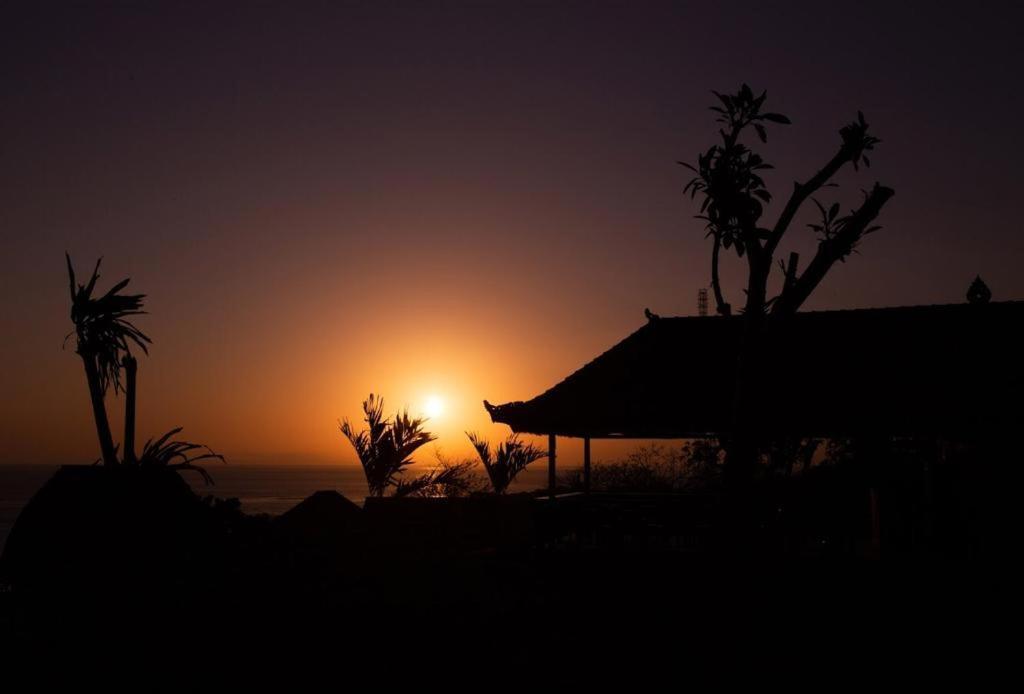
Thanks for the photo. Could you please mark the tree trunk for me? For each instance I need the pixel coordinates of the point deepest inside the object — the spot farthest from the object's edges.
(721, 307)
(131, 366)
(99, 410)
(742, 450)
(743, 447)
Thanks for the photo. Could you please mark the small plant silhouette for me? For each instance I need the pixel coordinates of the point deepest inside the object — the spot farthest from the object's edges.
(386, 446)
(448, 479)
(177, 455)
(509, 459)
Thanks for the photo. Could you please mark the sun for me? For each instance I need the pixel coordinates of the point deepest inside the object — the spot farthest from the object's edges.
(433, 406)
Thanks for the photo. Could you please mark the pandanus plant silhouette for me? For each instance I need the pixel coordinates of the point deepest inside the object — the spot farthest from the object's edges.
(507, 460)
(386, 446)
(104, 335)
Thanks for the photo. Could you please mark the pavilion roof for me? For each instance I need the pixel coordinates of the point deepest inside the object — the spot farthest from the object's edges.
(896, 371)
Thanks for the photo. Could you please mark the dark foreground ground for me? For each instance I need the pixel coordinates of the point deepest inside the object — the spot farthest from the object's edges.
(144, 564)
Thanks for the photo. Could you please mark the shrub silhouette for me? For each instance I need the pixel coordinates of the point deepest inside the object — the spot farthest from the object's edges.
(449, 479)
(508, 460)
(696, 466)
(177, 455)
(386, 446)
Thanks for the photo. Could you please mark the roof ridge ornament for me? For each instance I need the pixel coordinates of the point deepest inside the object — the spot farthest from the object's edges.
(978, 292)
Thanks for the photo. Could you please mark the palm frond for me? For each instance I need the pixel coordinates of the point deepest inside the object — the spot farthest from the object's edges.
(178, 455)
(449, 479)
(509, 459)
(385, 447)
(102, 327)
(417, 486)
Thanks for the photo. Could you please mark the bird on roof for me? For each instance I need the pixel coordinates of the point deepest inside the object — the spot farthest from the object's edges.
(651, 316)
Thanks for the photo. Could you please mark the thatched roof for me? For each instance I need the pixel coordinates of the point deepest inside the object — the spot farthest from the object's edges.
(909, 370)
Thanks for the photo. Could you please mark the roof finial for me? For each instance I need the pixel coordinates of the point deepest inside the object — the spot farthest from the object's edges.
(979, 293)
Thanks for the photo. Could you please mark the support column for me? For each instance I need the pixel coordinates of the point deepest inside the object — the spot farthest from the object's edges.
(586, 464)
(551, 464)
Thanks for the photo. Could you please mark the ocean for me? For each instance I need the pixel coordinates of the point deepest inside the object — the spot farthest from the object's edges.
(261, 489)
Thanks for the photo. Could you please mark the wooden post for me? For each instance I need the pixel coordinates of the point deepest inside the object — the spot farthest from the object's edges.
(551, 464)
(586, 464)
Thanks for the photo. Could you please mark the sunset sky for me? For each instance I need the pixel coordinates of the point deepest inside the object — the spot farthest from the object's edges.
(457, 200)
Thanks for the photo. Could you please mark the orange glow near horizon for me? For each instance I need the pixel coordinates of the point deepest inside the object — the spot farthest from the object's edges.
(423, 208)
(264, 377)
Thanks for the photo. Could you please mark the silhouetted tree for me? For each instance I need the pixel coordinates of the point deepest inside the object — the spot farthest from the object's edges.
(728, 176)
(735, 194)
(508, 460)
(103, 335)
(386, 446)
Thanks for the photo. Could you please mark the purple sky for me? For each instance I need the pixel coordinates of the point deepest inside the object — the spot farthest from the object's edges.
(469, 199)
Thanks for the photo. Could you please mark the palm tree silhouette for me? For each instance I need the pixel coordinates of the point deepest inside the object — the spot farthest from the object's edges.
(508, 460)
(385, 448)
(103, 337)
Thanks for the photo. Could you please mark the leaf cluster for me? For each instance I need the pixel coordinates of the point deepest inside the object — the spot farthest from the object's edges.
(728, 173)
(103, 330)
(448, 479)
(831, 226)
(386, 446)
(506, 461)
(177, 455)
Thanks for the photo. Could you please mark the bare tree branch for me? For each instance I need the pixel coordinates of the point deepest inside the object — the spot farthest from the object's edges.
(856, 141)
(802, 191)
(833, 249)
